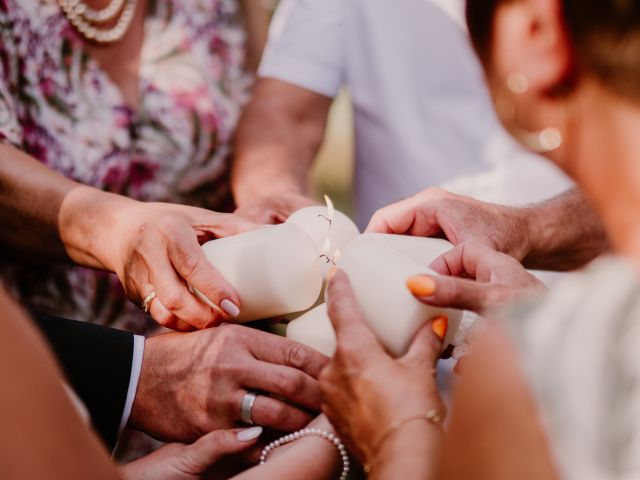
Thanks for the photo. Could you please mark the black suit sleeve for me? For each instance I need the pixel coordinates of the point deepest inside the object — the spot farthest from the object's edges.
(97, 362)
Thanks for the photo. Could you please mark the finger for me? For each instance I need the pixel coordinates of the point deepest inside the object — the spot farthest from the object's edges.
(201, 455)
(191, 263)
(414, 216)
(426, 346)
(291, 384)
(465, 260)
(346, 317)
(459, 293)
(175, 296)
(273, 413)
(395, 218)
(282, 351)
(221, 224)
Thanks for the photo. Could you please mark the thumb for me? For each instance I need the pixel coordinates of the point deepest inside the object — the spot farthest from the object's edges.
(426, 347)
(201, 455)
(452, 292)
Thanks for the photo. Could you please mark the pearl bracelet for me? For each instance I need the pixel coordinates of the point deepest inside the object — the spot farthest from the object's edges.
(310, 432)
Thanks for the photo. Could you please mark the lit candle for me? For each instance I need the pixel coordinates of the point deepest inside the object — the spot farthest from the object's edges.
(378, 275)
(276, 270)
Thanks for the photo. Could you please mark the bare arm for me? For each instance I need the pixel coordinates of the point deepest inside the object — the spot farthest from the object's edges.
(150, 246)
(276, 143)
(257, 23)
(562, 233)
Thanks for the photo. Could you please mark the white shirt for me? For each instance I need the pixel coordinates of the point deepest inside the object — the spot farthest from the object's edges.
(422, 113)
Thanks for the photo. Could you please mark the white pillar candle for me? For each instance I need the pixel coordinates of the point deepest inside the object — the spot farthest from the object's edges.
(322, 223)
(378, 275)
(423, 250)
(314, 329)
(276, 270)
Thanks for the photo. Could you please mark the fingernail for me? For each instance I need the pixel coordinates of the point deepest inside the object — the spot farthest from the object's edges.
(421, 286)
(439, 326)
(249, 434)
(230, 308)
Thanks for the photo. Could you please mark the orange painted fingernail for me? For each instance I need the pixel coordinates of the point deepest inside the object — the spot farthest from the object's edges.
(421, 286)
(440, 325)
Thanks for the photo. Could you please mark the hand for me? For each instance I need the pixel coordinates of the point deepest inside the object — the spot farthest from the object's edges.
(192, 383)
(157, 249)
(461, 219)
(364, 390)
(490, 279)
(273, 209)
(186, 462)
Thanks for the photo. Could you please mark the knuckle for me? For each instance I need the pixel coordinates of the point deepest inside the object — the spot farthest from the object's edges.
(292, 384)
(172, 299)
(298, 356)
(277, 414)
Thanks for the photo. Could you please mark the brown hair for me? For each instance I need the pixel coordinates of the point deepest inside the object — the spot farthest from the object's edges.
(605, 35)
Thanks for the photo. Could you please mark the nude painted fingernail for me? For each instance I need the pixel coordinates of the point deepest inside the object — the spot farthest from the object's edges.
(440, 325)
(230, 308)
(249, 434)
(421, 286)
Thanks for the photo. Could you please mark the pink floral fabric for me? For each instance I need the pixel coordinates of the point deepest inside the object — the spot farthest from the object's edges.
(59, 106)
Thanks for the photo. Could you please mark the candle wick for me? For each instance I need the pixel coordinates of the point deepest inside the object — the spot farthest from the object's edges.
(326, 218)
(328, 259)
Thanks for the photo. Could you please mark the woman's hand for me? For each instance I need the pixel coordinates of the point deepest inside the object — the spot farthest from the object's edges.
(157, 249)
(160, 252)
(488, 279)
(365, 391)
(190, 462)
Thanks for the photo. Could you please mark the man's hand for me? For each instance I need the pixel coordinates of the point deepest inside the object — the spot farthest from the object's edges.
(193, 383)
(273, 209)
(562, 233)
(460, 219)
(474, 277)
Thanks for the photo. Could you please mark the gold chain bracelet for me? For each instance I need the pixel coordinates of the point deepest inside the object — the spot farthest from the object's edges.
(432, 416)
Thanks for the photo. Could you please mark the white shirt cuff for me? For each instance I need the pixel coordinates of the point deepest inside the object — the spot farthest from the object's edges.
(136, 367)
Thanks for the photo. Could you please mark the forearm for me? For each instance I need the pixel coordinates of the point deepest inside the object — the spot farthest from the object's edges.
(30, 199)
(277, 140)
(309, 457)
(564, 233)
(45, 215)
(411, 453)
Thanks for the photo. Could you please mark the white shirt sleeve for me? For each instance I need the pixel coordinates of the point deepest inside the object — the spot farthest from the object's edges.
(136, 367)
(306, 45)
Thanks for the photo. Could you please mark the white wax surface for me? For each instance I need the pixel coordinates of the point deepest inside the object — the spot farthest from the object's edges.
(422, 250)
(378, 275)
(275, 270)
(315, 330)
(313, 221)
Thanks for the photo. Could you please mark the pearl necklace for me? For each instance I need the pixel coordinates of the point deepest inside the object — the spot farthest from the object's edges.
(84, 19)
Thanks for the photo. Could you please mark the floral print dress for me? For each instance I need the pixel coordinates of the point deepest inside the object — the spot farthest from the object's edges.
(57, 105)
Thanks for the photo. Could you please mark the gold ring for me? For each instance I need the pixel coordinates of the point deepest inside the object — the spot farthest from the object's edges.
(146, 303)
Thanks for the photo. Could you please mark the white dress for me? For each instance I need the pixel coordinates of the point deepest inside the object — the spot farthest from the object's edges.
(580, 348)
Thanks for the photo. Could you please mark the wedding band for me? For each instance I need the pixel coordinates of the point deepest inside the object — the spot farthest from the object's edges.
(248, 400)
(146, 303)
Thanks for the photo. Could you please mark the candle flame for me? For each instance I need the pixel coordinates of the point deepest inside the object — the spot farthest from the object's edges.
(330, 208)
(336, 256)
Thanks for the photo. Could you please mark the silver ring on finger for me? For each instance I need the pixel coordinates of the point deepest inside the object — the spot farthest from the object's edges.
(148, 300)
(246, 406)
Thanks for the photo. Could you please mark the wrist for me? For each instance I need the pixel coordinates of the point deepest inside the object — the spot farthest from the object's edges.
(409, 452)
(89, 226)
